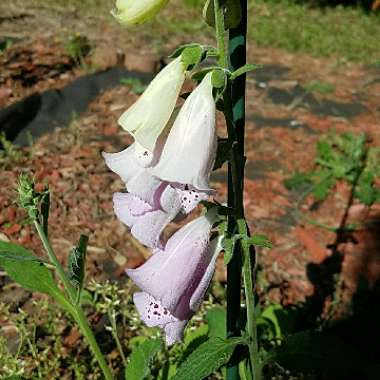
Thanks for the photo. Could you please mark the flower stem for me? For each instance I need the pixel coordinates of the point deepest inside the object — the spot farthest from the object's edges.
(75, 310)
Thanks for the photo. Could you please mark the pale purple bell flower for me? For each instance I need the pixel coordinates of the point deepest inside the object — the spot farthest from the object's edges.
(150, 204)
(169, 182)
(174, 280)
(189, 152)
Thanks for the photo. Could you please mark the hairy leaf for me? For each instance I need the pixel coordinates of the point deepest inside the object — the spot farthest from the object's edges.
(192, 55)
(260, 241)
(216, 320)
(27, 269)
(140, 359)
(76, 263)
(177, 52)
(244, 69)
(207, 358)
(232, 13)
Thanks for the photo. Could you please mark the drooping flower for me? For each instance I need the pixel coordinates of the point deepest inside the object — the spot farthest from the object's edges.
(146, 119)
(131, 12)
(150, 203)
(174, 280)
(163, 186)
(189, 152)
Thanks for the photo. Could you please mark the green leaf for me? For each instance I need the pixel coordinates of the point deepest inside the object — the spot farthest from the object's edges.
(177, 52)
(216, 320)
(321, 190)
(198, 75)
(298, 181)
(191, 56)
(27, 269)
(45, 207)
(365, 190)
(282, 319)
(76, 264)
(207, 358)
(228, 244)
(244, 69)
(218, 79)
(260, 241)
(137, 86)
(233, 13)
(140, 359)
(317, 352)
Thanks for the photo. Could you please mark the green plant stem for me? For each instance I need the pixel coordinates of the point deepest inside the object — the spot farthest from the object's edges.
(75, 310)
(248, 270)
(220, 34)
(111, 316)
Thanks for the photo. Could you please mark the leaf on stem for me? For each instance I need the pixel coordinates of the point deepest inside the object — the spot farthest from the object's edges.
(192, 55)
(23, 267)
(140, 359)
(45, 207)
(232, 13)
(207, 358)
(259, 241)
(177, 52)
(216, 320)
(76, 264)
(244, 69)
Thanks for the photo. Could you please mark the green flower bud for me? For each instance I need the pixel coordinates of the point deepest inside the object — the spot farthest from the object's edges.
(132, 12)
(30, 199)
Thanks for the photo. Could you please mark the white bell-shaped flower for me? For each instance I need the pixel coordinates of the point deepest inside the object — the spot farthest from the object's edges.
(189, 151)
(146, 119)
(131, 12)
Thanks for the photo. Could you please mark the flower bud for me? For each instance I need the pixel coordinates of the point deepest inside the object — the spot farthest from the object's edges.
(132, 12)
(146, 119)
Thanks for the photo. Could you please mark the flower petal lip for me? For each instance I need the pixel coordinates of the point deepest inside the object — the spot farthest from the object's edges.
(132, 12)
(190, 149)
(174, 280)
(147, 118)
(171, 276)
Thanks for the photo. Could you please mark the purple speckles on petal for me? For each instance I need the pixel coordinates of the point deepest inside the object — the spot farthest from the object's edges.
(190, 199)
(177, 277)
(151, 311)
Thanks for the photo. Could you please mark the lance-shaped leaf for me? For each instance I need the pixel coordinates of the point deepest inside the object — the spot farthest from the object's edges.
(207, 358)
(45, 208)
(140, 359)
(76, 264)
(23, 267)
